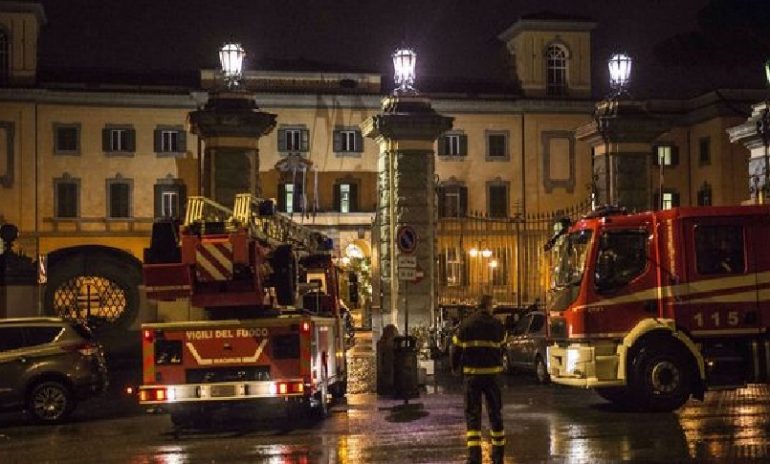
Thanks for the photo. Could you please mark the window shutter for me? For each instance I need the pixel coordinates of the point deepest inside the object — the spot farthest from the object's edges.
(337, 141)
(359, 142)
(674, 155)
(182, 189)
(442, 145)
(131, 135)
(282, 197)
(305, 135)
(282, 143)
(656, 202)
(337, 198)
(463, 145)
(353, 197)
(675, 199)
(463, 201)
(655, 156)
(466, 265)
(157, 141)
(157, 199)
(440, 201)
(298, 193)
(182, 141)
(106, 140)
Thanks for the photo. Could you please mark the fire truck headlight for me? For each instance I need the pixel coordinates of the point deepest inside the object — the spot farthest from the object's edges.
(573, 355)
(171, 393)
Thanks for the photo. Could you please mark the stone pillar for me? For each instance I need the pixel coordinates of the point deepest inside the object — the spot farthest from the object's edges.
(753, 134)
(405, 131)
(621, 136)
(230, 126)
(19, 291)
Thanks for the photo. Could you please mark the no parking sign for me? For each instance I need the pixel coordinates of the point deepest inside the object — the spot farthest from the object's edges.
(406, 239)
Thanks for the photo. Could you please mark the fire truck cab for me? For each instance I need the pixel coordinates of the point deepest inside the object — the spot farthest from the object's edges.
(651, 308)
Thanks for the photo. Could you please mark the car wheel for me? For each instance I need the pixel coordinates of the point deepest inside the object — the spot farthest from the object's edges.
(541, 370)
(50, 402)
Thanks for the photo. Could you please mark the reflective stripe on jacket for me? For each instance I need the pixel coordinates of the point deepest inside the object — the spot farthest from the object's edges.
(477, 346)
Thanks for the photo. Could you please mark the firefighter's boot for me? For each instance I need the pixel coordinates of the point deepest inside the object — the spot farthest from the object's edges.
(498, 446)
(474, 446)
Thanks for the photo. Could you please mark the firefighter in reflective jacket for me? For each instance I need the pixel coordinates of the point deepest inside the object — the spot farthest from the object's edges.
(476, 348)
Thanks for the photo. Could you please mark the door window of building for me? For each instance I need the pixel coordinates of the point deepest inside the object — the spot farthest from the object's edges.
(118, 140)
(453, 145)
(497, 200)
(497, 145)
(293, 140)
(704, 151)
(170, 198)
(170, 140)
(452, 201)
(666, 155)
(348, 141)
(346, 197)
(66, 139)
(119, 199)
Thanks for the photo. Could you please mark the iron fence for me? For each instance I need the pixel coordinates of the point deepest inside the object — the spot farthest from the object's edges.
(503, 257)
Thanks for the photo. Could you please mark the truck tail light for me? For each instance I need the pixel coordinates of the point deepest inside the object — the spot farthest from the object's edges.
(157, 394)
(148, 335)
(287, 388)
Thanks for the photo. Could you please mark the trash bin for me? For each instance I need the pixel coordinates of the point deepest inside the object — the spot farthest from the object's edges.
(385, 360)
(405, 374)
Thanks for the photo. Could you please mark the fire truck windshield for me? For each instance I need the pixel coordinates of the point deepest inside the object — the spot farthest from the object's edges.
(570, 258)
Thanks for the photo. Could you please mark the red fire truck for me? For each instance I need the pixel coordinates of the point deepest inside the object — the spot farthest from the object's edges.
(651, 308)
(269, 331)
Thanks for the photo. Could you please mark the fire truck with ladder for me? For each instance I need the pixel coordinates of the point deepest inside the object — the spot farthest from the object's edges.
(269, 330)
(649, 309)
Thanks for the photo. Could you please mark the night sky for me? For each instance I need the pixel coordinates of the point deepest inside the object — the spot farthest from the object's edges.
(455, 40)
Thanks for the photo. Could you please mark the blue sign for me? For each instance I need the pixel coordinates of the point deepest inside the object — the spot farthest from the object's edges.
(406, 239)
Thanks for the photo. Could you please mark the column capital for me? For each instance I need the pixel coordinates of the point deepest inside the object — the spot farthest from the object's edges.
(406, 118)
(231, 114)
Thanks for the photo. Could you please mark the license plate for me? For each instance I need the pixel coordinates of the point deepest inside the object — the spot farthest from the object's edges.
(219, 391)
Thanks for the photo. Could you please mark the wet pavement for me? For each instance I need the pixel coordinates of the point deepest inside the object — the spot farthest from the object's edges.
(544, 423)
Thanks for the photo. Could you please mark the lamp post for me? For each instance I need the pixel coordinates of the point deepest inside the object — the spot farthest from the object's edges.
(763, 129)
(231, 57)
(619, 65)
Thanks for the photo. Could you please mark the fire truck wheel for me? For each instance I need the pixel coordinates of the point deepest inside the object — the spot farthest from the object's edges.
(285, 278)
(660, 377)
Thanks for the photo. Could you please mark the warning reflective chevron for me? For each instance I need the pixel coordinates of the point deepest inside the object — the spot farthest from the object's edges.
(214, 261)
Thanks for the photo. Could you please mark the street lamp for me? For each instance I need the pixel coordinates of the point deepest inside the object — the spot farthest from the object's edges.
(231, 57)
(619, 65)
(763, 129)
(404, 60)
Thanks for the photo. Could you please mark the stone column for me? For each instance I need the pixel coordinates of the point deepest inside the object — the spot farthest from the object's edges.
(750, 134)
(230, 126)
(621, 136)
(405, 131)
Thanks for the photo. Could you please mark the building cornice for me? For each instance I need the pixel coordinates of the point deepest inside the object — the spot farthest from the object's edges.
(24, 7)
(545, 25)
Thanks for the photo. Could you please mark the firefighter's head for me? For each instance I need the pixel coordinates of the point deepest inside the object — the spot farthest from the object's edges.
(485, 303)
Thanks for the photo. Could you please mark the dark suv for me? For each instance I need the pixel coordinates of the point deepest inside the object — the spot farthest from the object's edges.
(47, 365)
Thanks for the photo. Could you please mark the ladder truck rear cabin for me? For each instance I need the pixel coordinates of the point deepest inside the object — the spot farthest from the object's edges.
(652, 308)
(270, 332)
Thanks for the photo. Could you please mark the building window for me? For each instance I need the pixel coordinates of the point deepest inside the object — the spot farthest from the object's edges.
(452, 200)
(118, 140)
(497, 200)
(66, 197)
(453, 145)
(666, 155)
(5, 61)
(704, 151)
(453, 267)
(705, 195)
(670, 199)
(66, 138)
(556, 70)
(499, 266)
(118, 198)
(293, 140)
(170, 140)
(719, 249)
(170, 198)
(348, 141)
(497, 145)
(290, 197)
(346, 197)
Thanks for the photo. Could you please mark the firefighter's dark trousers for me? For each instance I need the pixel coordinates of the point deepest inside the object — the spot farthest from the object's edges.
(477, 386)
